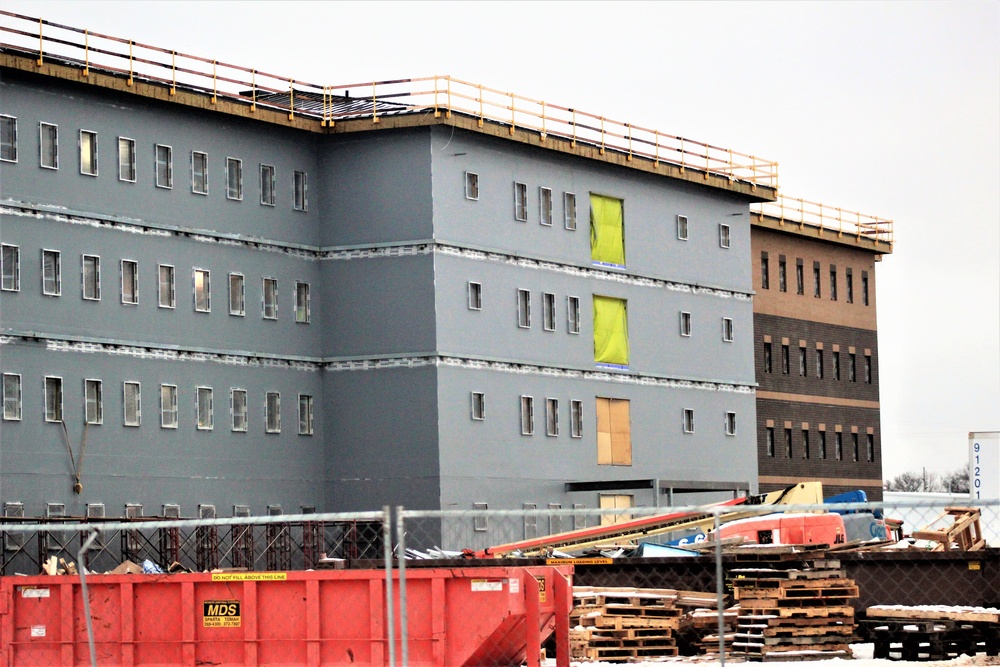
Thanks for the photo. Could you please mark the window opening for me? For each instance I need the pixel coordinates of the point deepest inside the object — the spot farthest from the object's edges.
(202, 291)
(8, 139)
(569, 211)
(48, 136)
(475, 296)
(527, 415)
(552, 417)
(88, 153)
(237, 294)
(267, 185)
(199, 173)
(238, 409)
(303, 303)
(523, 308)
(92, 277)
(724, 236)
(685, 324)
(272, 412)
(53, 399)
(576, 419)
(520, 202)
(11, 397)
(471, 186)
(573, 314)
(10, 259)
(300, 201)
(545, 206)
(478, 405)
(607, 230)
(131, 404)
(164, 166)
(305, 414)
(611, 331)
(130, 282)
(234, 179)
(204, 408)
(167, 289)
(126, 160)
(548, 311)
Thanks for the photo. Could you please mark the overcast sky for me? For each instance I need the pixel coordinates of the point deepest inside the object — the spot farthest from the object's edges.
(891, 109)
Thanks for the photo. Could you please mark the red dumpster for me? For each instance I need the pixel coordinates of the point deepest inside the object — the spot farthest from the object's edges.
(456, 617)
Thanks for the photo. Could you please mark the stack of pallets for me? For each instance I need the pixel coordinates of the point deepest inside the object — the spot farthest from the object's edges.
(700, 631)
(621, 624)
(793, 607)
(932, 633)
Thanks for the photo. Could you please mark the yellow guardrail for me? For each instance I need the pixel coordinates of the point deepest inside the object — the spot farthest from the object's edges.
(803, 213)
(91, 51)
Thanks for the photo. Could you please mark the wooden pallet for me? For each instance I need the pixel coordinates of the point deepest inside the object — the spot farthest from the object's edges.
(964, 534)
(625, 654)
(755, 648)
(589, 634)
(798, 592)
(826, 611)
(627, 622)
(793, 631)
(800, 656)
(934, 613)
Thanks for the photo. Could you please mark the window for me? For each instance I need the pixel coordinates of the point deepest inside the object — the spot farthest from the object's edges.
(803, 370)
(131, 404)
(305, 414)
(569, 211)
(850, 286)
(730, 423)
(303, 303)
(8, 139)
(607, 230)
(471, 186)
(126, 160)
(51, 272)
(548, 311)
(833, 283)
(788, 443)
(552, 417)
(723, 236)
(204, 408)
(767, 357)
(267, 185)
(520, 202)
(237, 294)
(688, 420)
(238, 409)
(477, 400)
(615, 501)
(168, 406)
(48, 146)
(53, 399)
(92, 277)
(10, 259)
(864, 287)
(610, 331)
(272, 412)
(269, 299)
(685, 324)
(614, 432)
(822, 444)
(480, 523)
(202, 291)
(682, 227)
(555, 520)
(300, 195)
(164, 166)
(523, 308)
(573, 314)
(836, 365)
(868, 369)
(475, 296)
(805, 444)
(130, 281)
(199, 173)
(765, 278)
(870, 447)
(88, 153)
(11, 397)
(817, 288)
(234, 179)
(545, 206)
(852, 372)
(727, 329)
(530, 521)
(800, 278)
(839, 446)
(769, 441)
(576, 419)
(782, 274)
(819, 364)
(854, 446)
(785, 370)
(167, 289)
(527, 415)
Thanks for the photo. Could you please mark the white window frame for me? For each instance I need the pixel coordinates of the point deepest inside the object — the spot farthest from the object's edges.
(573, 314)
(127, 167)
(272, 412)
(480, 523)
(199, 177)
(303, 303)
(685, 324)
(520, 202)
(300, 191)
(269, 305)
(172, 284)
(204, 418)
(169, 416)
(477, 406)
(727, 329)
(687, 420)
(167, 164)
(10, 260)
(52, 388)
(530, 521)
(56, 278)
(527, 415)
(552, 417)
(569, 211)
(545, 206)
(12, 404)
(471, 186)
(50, 161)
(134, 299)
(576, 418)
(237, 307)
(238, 417)
(682, 228)
(90, 292)
(267, 188)
(730, 425)
(8, 150)
(234, 172)
(137, 396)
(93, 152)
(548, 311)
(523, 309)
(305, 414)
(475, 295)
(206, 289)
(725, 237)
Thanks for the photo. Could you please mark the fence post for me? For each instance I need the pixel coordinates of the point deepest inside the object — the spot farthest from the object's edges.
(720, 588)
(390, 632)
(404, 652)
(86, 599)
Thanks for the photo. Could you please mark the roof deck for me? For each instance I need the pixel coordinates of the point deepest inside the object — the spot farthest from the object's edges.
(827, 223)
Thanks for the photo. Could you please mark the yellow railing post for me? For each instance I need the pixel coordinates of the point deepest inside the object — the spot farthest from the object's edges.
(130, 64)
(173, 69)
(215, 83)
(574, 127)
(41, 45)
(448, 114)
(512, 120)
(629, 158)
(602, 135)
(253, 90)
(802, 213)
(682, 152)
(542, 137)
(86, 53)
(437, 111)
(732, 167)
(374, 105)
(291, 99)
(708, 163)
(480, 105)
(656, 147)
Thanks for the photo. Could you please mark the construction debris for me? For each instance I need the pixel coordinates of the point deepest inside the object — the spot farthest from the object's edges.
(932, 633)
(964, 533)
(621, 624)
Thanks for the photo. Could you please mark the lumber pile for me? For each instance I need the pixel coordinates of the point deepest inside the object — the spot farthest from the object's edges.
(932, 633)
(622, 624)
(964, 533)
(793, 606)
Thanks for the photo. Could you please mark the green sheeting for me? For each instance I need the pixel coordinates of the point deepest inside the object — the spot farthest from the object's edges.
(607, 230)
(610, 330)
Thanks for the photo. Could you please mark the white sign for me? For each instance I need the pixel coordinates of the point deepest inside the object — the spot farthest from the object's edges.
(984, 465)
(38, 631)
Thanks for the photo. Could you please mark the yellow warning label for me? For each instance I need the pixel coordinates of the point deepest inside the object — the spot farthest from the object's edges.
(578, 561)
(249, 576)
(542, 597)
(975, 565)
(221, 613)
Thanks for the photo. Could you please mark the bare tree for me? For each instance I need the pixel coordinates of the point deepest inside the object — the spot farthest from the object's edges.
(913, 481)
(957, 481)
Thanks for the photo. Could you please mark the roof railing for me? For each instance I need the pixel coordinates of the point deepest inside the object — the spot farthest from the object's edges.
(135, 61)
(804, 213)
